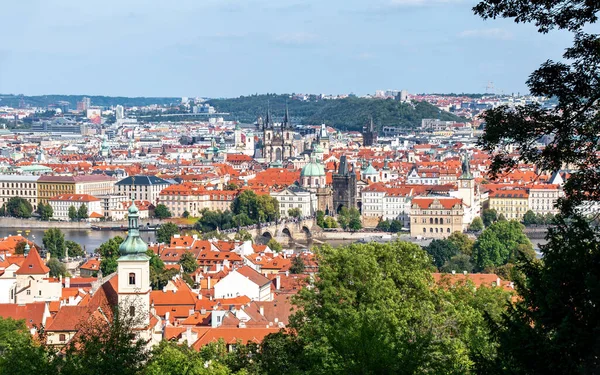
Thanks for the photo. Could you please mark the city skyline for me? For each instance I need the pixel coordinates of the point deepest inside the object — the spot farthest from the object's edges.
(228, 49)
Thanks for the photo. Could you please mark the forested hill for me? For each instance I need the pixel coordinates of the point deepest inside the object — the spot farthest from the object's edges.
(102, 101)
(348, 114)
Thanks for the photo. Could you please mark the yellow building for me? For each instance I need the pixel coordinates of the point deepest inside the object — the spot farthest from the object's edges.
(436, 217)
(511, 203)
(51, 186)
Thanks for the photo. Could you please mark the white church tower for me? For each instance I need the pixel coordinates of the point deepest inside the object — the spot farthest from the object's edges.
(134, 274)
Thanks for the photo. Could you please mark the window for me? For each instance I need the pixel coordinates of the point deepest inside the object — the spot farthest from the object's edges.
(131, 310)
(131, 278)
(29, 292)
(62, 337)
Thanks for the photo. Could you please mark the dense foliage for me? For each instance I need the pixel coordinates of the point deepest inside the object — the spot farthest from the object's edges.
(351, 113)
(45, 211)
(103, 101)
(161, 212)
(165, 232)
(553, 327)
(500, 243)
(19, 207)
(349, 219)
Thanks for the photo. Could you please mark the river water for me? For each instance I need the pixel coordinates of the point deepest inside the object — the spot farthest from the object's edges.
(90, 239)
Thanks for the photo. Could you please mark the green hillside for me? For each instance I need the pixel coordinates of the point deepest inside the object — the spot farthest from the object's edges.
(102, 101)
(350, 113)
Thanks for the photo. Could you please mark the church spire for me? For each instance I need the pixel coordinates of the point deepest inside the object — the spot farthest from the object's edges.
(286, 118)
(268, 120)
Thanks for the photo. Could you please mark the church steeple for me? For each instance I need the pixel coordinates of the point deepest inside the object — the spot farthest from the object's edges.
(466, 168)
(286, 119)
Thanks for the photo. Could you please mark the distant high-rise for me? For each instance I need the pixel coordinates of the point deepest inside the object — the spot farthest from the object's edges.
(344, 186)
(119, 112)
(369, 134)
(84, 104)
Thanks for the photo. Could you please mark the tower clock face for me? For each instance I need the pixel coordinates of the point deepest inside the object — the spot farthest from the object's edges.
(465, 184)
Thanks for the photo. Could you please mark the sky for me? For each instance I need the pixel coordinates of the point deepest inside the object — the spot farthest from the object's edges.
(227, 48)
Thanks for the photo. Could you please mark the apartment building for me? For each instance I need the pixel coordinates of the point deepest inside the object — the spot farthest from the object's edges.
(52, 186)
(19, 186)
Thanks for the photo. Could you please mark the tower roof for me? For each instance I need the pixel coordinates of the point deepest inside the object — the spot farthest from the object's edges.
(313, 169)
(33, 265)
(133, 244)
(466, 168)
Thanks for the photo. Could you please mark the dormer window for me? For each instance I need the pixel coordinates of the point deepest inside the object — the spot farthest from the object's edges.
(131, 278)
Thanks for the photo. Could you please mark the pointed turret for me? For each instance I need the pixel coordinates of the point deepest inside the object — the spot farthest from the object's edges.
(33, 265)
(343, 170)
(287, 123)
(268, 120)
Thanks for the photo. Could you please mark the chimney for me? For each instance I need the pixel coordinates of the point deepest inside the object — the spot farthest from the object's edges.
(277, 282)
(188, 335)
(208, 286)
(202, 311)
(497, 281)
(453, 272)
(67, 282)
(262, 311)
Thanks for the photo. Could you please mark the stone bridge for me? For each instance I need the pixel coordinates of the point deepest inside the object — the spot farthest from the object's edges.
(286, 231)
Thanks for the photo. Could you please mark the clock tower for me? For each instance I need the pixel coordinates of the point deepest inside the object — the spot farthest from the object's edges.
(466, 183)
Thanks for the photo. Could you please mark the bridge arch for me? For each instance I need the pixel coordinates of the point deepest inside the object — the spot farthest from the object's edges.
(264, 237)
(306, 232)
(286, 231)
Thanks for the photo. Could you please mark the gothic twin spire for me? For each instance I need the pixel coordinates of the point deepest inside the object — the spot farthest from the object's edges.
(268, 123)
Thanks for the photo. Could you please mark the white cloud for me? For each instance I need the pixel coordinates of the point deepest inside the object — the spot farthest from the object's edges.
(487, 33)
(296, 39)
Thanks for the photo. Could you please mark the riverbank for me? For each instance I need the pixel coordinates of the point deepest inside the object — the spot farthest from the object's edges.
(24, 224)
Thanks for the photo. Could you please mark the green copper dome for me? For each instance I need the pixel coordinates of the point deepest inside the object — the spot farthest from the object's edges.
(313, 169)
(370, 170)
(133, 244)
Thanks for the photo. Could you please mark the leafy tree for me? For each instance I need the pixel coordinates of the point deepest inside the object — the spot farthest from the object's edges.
(282, 354)
(259, 208)
(297, 266)
(500, 243)
(82, 212)
(489, 216)
(320, 218)
(240, 220)
(19, 207)
(274, 245)
(213, 220)
(294, 212)
(159, 275)
(441, 251)
(57, 268)
(166, 231)
(107, 346)
(476, 225)
(73, 213)
(463, 242)
(530, 218)
(20, 354)
(243, 235)
(501, 217)
(231, 186)
(20, 248)
(458, 263)
(372, 309)
(556, 315)
(188, 262)
(186, 214)
(349, 218)
(161, 212)
(214, 235)
(74, 248)
(3, 210)
(54, 242)
(109, 253)
(355, 224)
(384, 225)
(395, 226)
(40, 211)
(330, 222)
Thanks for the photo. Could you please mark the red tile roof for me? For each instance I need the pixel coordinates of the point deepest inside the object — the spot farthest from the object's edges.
(33, 265)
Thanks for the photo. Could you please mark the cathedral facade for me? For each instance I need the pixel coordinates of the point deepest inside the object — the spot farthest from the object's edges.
(278, 141)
